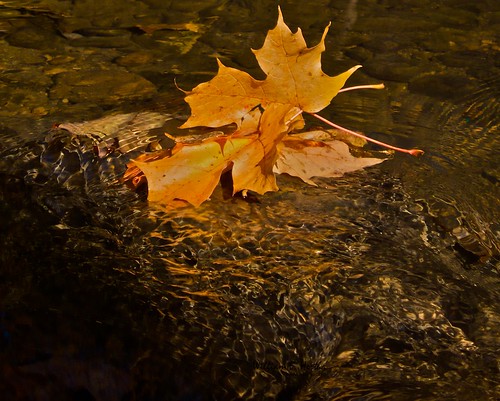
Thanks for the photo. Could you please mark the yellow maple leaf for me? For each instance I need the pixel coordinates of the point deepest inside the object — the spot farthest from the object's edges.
(294, 78)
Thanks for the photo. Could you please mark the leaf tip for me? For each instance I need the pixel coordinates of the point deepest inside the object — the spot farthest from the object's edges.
(280, 14)
(325, 32)
(219, 63)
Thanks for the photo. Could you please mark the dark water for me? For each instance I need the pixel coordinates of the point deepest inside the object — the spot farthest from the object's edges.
(380, 285)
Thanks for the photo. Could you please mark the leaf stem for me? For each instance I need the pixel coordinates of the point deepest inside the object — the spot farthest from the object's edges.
(353, 88)
(413, 152)
(299, 112)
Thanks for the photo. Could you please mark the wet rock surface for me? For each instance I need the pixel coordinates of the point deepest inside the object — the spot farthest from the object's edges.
(101, 87)
(380, 285)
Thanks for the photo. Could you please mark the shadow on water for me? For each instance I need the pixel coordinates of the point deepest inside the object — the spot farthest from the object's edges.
(382, 284)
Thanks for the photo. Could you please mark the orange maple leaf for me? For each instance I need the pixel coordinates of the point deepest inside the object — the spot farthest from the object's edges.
(192, 171)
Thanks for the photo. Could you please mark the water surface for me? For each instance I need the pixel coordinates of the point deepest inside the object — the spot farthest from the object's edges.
(380, 285)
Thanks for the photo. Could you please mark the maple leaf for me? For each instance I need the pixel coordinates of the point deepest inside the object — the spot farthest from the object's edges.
(190, 172)
(294, 78)
(305, 157)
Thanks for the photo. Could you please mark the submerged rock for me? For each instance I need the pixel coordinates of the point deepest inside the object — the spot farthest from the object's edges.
(101, 86)
(309, 293)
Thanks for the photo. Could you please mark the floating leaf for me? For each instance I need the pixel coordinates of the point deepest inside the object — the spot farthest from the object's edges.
(305, 158)
(294, 78)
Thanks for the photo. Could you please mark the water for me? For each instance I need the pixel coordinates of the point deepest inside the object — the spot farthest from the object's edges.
(382, 284)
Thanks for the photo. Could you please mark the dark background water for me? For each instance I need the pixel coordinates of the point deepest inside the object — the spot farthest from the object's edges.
(380, 285)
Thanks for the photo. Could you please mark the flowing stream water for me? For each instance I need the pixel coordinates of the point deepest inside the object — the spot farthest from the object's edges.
(380, 285)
